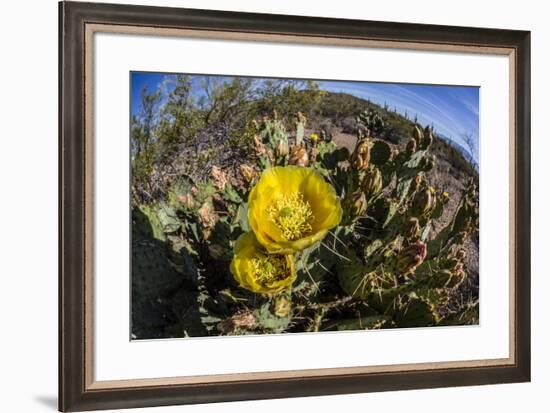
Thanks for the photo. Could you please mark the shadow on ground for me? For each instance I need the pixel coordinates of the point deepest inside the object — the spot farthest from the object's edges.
(47, 401)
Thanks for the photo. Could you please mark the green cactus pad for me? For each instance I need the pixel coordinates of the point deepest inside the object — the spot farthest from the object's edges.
(168, 219)
(353, 276)
(415, 312)
(380, 153)
(365, 323)
(152, 273)
(269, 321)
(300, 125)
(146, 224)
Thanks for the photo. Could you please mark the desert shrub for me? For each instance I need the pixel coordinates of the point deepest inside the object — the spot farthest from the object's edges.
(187, 133)
(349, 125)
(338, 106)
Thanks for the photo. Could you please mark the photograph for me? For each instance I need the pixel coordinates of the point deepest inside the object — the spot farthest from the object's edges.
(264, 206)
(273, 205)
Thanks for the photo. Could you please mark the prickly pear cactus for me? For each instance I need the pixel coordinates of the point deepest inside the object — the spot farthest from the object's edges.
(371, 120)
(408, 270)
(398, 257)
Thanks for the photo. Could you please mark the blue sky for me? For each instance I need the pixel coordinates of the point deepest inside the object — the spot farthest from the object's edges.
(453, 110)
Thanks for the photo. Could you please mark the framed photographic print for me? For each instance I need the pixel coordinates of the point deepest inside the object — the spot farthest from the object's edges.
(264, 206)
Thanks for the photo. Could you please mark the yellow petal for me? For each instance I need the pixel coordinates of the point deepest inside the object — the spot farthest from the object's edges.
(284, 181)
(247, 250)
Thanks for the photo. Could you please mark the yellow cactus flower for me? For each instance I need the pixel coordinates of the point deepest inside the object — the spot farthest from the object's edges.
(258, 271)
(314, 137)
(292, 208)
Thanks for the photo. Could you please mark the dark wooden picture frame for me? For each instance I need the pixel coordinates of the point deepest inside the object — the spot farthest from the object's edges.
(77, 388)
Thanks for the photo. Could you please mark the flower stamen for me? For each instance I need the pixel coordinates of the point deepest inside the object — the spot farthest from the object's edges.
(293, 215)
(270, 269)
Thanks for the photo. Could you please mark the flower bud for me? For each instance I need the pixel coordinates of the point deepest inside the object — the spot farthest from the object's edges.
(360, 158)
(411, 257)
(454, 276)
(259, 146)
(282, 148)
(247, 173)
(282, 306)
(298, 156)
(187, 200)
(428, 137)
(270, 155)
(458, 276)
(314, 137)
(427, 164)
(413, 229)
(219, 177)
(207, 216)
(357, 204)
(372, 183)
(411, 147)
(418, 135)
(415, 186)
(424, 201)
